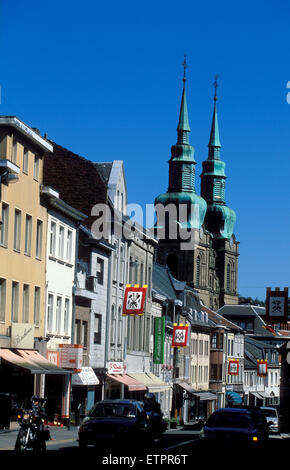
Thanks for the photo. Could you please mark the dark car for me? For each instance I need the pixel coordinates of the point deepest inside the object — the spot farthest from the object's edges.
(119, 422)
(235, 425)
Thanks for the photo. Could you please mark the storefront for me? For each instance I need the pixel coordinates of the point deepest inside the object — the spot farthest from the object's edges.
(197, 405)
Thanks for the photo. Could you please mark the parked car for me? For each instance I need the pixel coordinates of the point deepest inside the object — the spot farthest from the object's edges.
(271, 415)
(236, 424)
(119, 422)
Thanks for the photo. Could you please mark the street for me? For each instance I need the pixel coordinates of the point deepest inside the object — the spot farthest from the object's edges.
(178, 447)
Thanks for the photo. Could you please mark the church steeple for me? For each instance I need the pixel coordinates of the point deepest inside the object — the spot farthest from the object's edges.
(181, 186)
(183, 128)
(219, 219)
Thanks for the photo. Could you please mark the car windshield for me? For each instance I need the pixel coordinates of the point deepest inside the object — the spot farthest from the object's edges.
(230, 420)
(270, 413)
(113, 409)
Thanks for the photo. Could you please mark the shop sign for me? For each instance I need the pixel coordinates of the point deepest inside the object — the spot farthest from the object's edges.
(116, 368)
(233, 367)
(134, 300)
(159, 339)
(22, 335)
(53, 357)
(262, 368)
(71, 356)
(179, 335)
(277, 305)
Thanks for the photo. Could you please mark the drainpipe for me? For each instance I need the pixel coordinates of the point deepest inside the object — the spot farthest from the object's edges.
(108, 321)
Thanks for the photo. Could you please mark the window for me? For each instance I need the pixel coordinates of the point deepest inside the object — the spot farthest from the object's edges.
(25, 161)
(61, 242)
(49, 312)
(214, 341)
(58, 314)
(113, 324)
(36, 167)
(228, 276)
(84, 334)
(100, 271)
(2, 299)
(52, 239)
(39, 239)
(4, 225)
(15, 301)
(28, 229)
(66, 316)
(36, 305)
(78, 331)
(14, 151)
(25, 304)
(17, 230)
(69, 245)
(98, 329)
(198, 271)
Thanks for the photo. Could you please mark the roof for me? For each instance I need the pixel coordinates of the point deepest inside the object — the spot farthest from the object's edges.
(217, 319)
(104, 169)
(255, 349)
(161, 281)
(244, 310)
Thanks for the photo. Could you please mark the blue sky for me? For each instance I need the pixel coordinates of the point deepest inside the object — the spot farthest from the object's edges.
(104, 79)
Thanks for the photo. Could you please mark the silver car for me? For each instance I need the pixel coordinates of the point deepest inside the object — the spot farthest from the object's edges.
(271, 416)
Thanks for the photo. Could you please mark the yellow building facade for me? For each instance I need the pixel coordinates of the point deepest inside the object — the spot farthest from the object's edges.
(23, 234)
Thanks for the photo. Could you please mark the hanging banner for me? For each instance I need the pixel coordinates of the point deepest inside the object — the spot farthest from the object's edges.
(159, 340)
(262, 368)
(233, 367)
(277, 305)
(179, 336)
(134, 300)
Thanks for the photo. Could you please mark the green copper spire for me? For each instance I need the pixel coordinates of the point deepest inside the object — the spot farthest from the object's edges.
(183, 128)
(214, 140)
(181, 187)
(219, 219)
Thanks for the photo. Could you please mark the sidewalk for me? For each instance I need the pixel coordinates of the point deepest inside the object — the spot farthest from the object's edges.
(14, 426)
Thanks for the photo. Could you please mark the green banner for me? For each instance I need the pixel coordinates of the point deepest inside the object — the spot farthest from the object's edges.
(159, 339)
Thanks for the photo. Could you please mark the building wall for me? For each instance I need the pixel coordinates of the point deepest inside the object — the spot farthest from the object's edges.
(199, 360)
(16, 265)
(60, 273)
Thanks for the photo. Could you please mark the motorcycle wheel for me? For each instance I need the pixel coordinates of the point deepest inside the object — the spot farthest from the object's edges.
(19, 444)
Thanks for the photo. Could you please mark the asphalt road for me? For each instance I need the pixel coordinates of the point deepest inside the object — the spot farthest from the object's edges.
(178, 447)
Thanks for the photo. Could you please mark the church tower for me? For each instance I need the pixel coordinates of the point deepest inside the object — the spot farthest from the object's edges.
(209, 261)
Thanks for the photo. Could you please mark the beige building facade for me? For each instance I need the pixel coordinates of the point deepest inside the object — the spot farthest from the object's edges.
(22, 234)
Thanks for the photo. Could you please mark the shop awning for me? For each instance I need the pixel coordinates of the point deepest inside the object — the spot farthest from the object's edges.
(234, 398)
(205, 396)
(256, 394)
(187, 387)
(132, 384)
(85, 377)
(31, 360)
(152, 382)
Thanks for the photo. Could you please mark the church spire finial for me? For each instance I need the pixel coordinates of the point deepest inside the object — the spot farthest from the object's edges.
(183, 128)
(214, 140)
(184, 64)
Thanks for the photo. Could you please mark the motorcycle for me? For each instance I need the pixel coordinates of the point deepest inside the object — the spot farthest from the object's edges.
(32, 434)
(157, 424)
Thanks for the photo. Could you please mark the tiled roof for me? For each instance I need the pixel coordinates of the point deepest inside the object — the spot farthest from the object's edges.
(218, 319)
(161, 281)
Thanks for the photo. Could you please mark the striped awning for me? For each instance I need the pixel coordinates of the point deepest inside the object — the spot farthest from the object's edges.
(132, 384)
(151, 381)
(31, 360)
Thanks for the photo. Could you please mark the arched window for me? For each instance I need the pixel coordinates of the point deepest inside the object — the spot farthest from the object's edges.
(197, 278)
(172, 263)
(228, 276)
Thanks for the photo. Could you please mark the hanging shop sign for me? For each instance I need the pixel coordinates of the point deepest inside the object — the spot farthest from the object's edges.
(116, 368)
(179, 335)
(53, 357)
(277, 305)
(134, 300)
(159, 340)
(262, 368)
(233, 367)
(71, 356)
